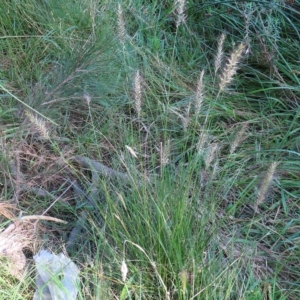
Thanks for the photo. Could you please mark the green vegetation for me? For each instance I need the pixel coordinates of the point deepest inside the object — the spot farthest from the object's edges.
(193, 106)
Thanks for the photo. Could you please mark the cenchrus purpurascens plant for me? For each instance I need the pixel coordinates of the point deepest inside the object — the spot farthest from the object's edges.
(211, 207)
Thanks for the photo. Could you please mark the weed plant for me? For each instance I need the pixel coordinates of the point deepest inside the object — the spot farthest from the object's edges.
(193, 105)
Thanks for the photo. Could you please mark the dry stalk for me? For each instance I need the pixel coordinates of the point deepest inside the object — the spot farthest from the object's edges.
(19, 235)
(6, 209)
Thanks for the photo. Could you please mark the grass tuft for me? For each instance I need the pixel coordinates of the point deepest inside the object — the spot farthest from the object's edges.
(149, 153)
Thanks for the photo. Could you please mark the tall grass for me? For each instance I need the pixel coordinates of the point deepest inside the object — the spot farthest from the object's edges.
(193, 107)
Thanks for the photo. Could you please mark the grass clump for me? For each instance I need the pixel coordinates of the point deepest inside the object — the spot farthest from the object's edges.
(154, 143)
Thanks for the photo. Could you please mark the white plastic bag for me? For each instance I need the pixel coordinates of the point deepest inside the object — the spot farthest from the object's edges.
(57, 277)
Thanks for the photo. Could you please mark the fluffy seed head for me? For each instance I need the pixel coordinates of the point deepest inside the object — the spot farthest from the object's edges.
(240, 136)
(203, 138)
(138, 93)
(211, 154)
(231, 67)
(165, 151)
(220, 54)
(124, 270)
(39, 124)
(180, 4)
(121, 25)
(185, 116)
(266, 182)
(199, 94)
(87, 99)
(184, 277)
(186, 119)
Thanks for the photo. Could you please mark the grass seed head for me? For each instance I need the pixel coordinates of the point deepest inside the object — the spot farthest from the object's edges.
(186, 118)
(231, 67)
(220, 53)
(165, 151)
(211, 154)
(39, 124)
(184, 278)
(87, 99)
(201, 143)
(138, 93)
(265, 184)
(124, 270)
(198, 101)
(180, 15)
(240, 136)
(121, 25)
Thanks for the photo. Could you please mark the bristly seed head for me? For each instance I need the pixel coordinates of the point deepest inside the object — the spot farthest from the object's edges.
(220, 54)
(165, 151)
(87, 99)
(202, 141)
(199, 94)
(266, 182)
(39, 124)
(240, 136)
(211, 154)
(231, 67)
(138, 93)
(121, 25)
(124, 270)
(186, 118)
(179, 5)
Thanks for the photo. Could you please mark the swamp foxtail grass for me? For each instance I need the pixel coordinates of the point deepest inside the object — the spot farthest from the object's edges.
(231, 67)
(219, 57)
(198, 100)
(265, 184)
(137, 89)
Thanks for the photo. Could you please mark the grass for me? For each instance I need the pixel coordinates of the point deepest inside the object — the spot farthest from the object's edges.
(193, 107)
